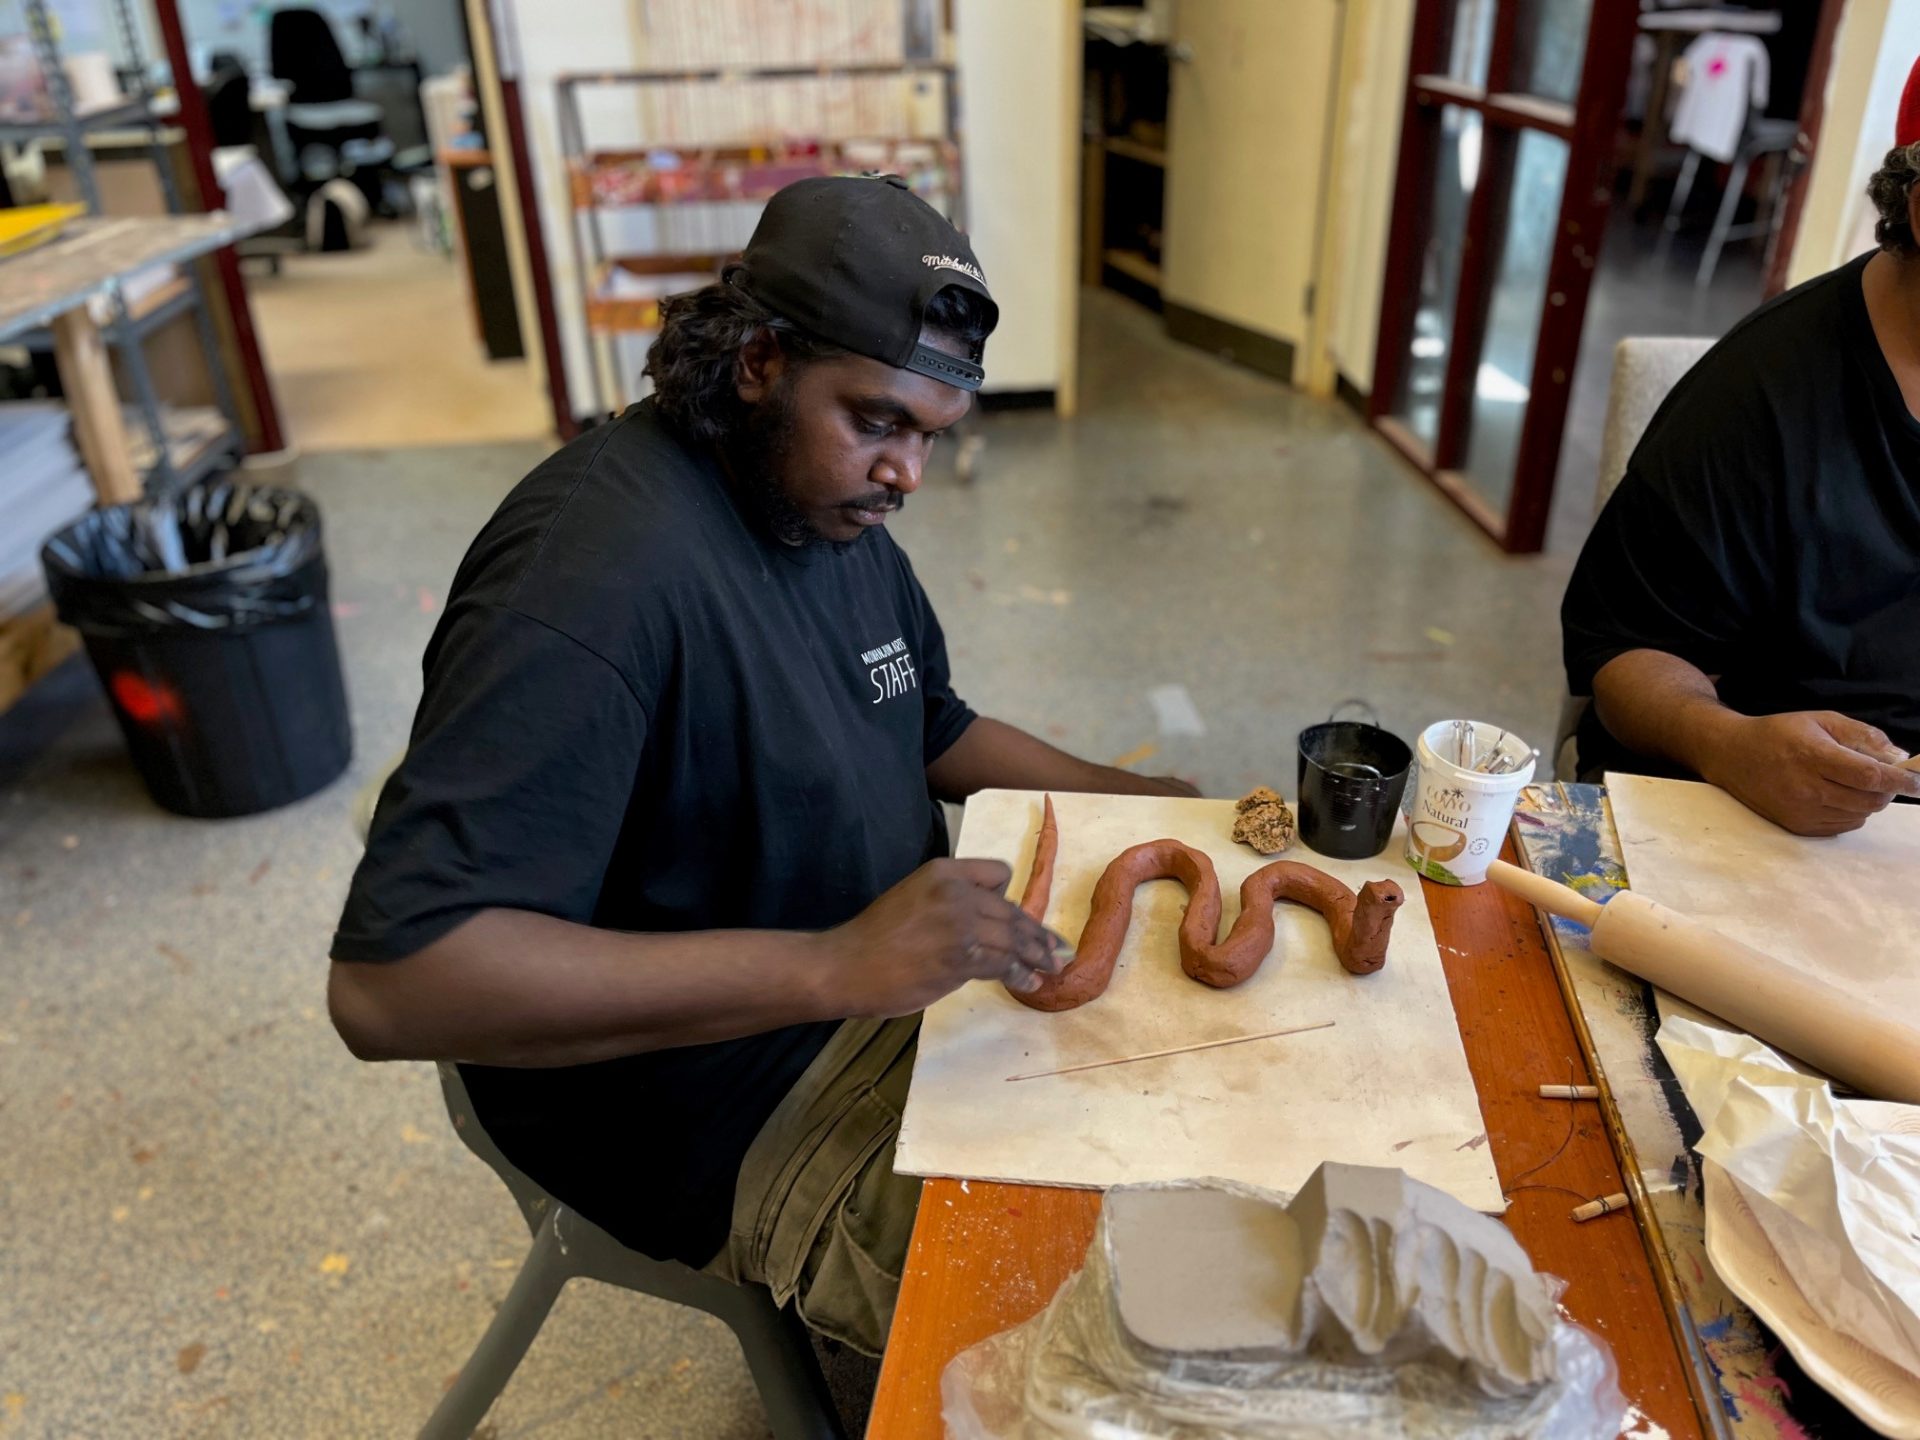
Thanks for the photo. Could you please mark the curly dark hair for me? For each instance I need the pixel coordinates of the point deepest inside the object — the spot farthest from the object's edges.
(695, 363)
(1889, 190)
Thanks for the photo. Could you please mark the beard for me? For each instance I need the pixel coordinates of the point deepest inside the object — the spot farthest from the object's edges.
(763, 453)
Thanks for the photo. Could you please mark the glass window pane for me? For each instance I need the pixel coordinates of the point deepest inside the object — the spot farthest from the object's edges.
(1527, 223)
(1469, 42)
(1456, 168)
(1549, 44)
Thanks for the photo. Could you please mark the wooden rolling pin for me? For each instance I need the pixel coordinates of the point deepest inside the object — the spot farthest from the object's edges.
(1837, 1034)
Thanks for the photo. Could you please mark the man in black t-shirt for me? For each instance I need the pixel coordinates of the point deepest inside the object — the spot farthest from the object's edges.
(1747, 608)
(663, 865)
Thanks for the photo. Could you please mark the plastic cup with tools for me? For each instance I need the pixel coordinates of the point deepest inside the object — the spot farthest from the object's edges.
(1351, 773)
(1467, 781)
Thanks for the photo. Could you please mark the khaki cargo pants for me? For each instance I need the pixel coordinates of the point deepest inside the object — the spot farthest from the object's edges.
(819, 1217)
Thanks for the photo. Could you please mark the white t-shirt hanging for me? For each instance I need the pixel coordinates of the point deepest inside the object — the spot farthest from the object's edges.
(1727, 75)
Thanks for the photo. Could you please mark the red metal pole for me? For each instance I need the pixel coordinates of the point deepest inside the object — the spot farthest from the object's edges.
(194, 120)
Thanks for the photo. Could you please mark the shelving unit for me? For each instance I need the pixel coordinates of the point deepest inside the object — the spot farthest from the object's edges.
(619, 288)
(128, 326)
(1123, 174)
(1135, 150)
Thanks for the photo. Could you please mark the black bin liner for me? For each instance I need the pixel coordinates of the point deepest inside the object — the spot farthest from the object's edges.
(207, 619)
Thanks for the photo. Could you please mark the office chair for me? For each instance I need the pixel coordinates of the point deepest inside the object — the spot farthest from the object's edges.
(230, 105)
(333, 133)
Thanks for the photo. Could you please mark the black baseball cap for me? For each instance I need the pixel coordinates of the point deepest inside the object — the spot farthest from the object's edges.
(855, 259)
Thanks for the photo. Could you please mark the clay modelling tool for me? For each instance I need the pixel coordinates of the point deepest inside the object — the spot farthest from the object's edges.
(1176, 1050)
(1839, 1035)
(1912, 762)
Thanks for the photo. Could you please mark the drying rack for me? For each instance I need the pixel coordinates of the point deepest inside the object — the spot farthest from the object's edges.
(619, 286)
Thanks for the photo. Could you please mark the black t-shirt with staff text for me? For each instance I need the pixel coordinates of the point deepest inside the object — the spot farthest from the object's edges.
(643, 713)
(1768, 527)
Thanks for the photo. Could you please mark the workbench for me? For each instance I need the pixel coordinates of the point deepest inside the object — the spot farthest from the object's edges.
(986, 1256)
(53, 284)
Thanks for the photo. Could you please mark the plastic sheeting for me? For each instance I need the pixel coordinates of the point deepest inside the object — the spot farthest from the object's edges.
(1073, 1373)
(219, 556)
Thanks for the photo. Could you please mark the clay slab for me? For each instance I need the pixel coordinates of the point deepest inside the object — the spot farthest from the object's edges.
(1387, 1085)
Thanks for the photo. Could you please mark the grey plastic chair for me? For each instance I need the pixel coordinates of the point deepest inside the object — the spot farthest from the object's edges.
(566, 1246)
(1763, 137)
(1645, 368)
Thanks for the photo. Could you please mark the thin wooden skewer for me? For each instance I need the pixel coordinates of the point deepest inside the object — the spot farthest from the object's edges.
(1177, 1050)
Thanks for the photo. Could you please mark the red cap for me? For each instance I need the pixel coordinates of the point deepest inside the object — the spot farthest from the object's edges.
(1906, 126)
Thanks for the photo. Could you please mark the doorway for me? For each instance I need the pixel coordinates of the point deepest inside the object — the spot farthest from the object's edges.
(1502, 190)
(384, 300)
(1524, 121)
(1695, 240)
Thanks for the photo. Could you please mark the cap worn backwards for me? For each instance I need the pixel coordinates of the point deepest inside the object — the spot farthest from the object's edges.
(856, 260)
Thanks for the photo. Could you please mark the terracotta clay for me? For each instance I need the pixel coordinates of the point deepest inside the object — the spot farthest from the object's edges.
(1361, 924)
(1033, 899)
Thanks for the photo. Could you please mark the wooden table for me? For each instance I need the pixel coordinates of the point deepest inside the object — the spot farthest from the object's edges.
(987, 1256)
(53, 284)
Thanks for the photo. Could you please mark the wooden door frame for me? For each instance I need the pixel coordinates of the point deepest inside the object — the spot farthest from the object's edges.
(504, 43)
(1813, 110)
(197, 125)
(1588, 127)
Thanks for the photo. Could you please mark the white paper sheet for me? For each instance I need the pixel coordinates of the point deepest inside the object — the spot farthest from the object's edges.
(1835, 1184)
(1387, 1085)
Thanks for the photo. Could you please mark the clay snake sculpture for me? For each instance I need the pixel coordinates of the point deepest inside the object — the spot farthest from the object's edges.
(1361, 924)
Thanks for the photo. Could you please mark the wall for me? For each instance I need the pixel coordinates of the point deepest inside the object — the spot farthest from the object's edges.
(1246, 132)
(486, 89)
(1873, 52)
(1021, 149)
(1023, 180)
(433, 27)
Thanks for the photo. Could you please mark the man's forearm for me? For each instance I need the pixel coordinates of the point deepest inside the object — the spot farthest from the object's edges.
(1659, 705)
(510, 987)
(993, 755)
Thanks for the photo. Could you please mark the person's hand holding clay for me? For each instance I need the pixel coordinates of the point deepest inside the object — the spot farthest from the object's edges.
(947, 923)
(1814, 772)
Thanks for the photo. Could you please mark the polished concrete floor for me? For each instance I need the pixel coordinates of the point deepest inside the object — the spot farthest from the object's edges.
(378, 347)
(214, 1222)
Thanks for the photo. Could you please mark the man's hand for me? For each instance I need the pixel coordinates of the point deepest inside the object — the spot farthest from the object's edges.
(1814, 772)
(945, 924)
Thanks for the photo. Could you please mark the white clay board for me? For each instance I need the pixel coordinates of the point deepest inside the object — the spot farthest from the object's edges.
(1387, 1085)
(1845, 908)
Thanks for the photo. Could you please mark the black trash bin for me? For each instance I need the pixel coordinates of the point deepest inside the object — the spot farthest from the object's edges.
(207, 619)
